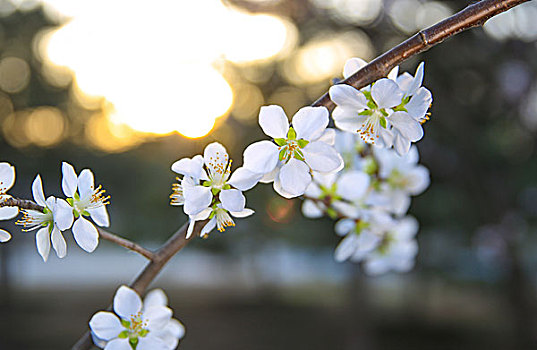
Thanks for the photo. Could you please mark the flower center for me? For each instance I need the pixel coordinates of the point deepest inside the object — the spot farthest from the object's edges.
(369, 130)
(34, 219)
(223, 219)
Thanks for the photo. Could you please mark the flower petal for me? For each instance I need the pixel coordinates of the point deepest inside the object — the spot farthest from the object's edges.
(58, 243)
(401, 144)
(190, 167)
(352, 66)
(352, 185)
(311, 210)
(348, 97)
(157, 317)
(261, 157)
(7, 213)
(419, 103)
(37, 191)
(244, 179)
(151, 342)
(63, 214)
(105, 325)
(69, 179)
(406, 126)
(322, 157)
(197, 198)
(127, 302)
(416, 81)
(85, 183)
(386, 93)
(86, 235)
(273, 121)
(310, 122)
(347, 120)
(42, 240)
(156, 297)
(100, 216)
(208, 227)
(4, 236)
(7, 176)
(232, 200)
(243, 213)
(118, 344)
(419, 180)
(202, 215)
(295, 177)
(344, 226)
(216, 159)
(277, 185)
(328, 136)
(346, 248)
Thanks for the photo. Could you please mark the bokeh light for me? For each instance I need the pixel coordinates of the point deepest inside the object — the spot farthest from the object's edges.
(518, 23)
(14, 74)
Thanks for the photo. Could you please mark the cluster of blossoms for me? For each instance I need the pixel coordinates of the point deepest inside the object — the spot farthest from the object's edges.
(57, 214)
(134, 324)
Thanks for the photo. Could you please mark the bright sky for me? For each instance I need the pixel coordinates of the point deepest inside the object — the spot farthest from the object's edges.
(154, 61)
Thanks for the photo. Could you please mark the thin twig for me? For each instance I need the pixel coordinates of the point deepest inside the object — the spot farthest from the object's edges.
(135, 247)
(21, 203)
(474, 15)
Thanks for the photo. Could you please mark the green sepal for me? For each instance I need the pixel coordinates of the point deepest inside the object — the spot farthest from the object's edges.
(50, 227)
(206, 183)
(291, 134)
(400, 108)
(280, 141)
(143, 332)
(383, 122)
(133, 342)
(405, 100)
(282, 154)
(76, 196)
(226, 187)
(123, 335)
(298, 155)
(370, 166)
(125, 323)
(384, 113)
(331, 213)
(70, 201)
(366, 112)
(302, 143)
(46, 210)
(371, 104)
(211, 215)
(215, 191)
(85, 213)
(360, 226)
(75, 213)
(367, 94)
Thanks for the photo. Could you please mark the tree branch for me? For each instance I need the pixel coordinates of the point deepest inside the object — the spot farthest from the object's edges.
(474, 15)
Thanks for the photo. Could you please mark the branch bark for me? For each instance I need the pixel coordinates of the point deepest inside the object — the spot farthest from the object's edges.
(472, 16)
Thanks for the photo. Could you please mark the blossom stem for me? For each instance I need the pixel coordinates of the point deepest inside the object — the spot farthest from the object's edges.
(474, 15)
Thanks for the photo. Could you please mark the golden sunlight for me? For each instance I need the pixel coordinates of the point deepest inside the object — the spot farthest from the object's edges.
(154, 61)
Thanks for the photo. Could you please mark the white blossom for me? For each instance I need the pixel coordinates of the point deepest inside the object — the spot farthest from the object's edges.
(7, 179)
(86, 201)
(146, 325)
(298, 150)
(57, 216)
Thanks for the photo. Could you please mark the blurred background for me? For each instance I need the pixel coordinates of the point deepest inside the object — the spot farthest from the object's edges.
(128, 88)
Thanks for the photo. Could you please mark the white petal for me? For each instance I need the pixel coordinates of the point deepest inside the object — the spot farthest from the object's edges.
(386, 93)
(407, 228)
(393, 73)
(100, 343)
(85, 183)
(346, 248)
(4, 236)
(322, 157)
(58, 242)
(100, 216)
(151, 342)
(295, 177)
(347, 120)
(352, 66)
(37, 191)
(261, 157)
(277, 185)
(7, 213)
(273, 121)
(232, 200)
(311, 210)
(190, 167)
(419, 180)
(352, 185)
(127, 302)
(243, 213)
(310, 122)
(69, 179)
(400, 202)
(244, 179)
(63, 214)
(42, 240)
(171, 334)
(86, 235)
(375, 267)
(157, 317)
(401, 144)
(216, 158)
(105, 325)
(202, 215)
(347, 97)
(197, 198)
(344, 226)
(368, 241)
(406, 125)
(118, 344)
(7, 176)
(156, 297)
(328, 136)
(271, 176)
(416, 82)
(419, 103)
(208, 227)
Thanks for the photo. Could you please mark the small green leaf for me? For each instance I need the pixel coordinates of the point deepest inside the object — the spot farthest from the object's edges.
(383, 122)
(123, 335)
(291, 134)
(125, 323)
(302, 143)
(280, 141)
(70, 201)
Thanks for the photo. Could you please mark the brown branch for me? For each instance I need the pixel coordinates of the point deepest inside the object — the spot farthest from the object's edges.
(135, 247)
(21, 203)
(474, 15)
